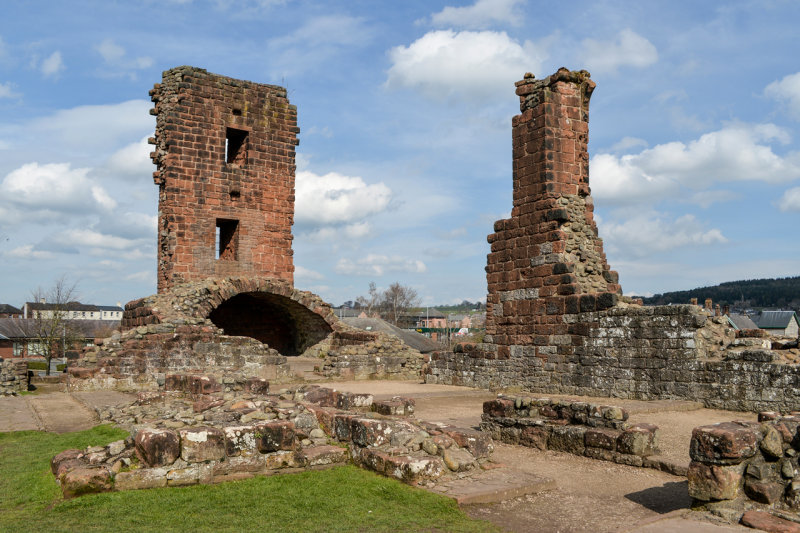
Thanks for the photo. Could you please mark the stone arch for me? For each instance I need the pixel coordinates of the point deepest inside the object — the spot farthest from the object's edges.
(280, 322)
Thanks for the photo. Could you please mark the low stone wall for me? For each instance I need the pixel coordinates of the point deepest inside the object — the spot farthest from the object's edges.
(191, 434)
(13, 376)
(741, 466)
(571, 426)
(637, 352)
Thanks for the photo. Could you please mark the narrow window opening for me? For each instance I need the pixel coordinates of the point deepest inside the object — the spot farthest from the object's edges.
(235, 147)
(227, 240)
(235, 195)
(237, 112)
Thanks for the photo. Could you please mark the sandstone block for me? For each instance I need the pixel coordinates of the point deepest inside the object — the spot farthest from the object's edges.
(274, 436)
(458, 459)
(246, 463)
(86, 480)
(408, 469)
(63, 457)
(478, 443)
(256, 386)
(603, 438)
(724, 443)
(322, 455)
(323, 396)
(369, 432)
(639, 439)
(764, 521)
(202, 444)
(534, 437)
(772, 442)
(280, 459)
(763, 491)
(499, 407)
(157, 447)
(568, 439)
(142, 478)
(713, 482)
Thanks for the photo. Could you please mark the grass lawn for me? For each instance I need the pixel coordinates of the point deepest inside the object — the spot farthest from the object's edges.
(340, 499)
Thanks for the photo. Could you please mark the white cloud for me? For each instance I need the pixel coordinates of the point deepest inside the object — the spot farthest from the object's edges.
(7, 91)
(787, 91)
(349, 232)
(444, 63)
(626, 143)
(77, 238)
(378, 265)
(115, 57)
(707, 198)
(628, 49)
(735, 153)
(306, 273)
(790, 201)
(648, 232)
(334, 198)
(482, 14)
(56, 187)
(52, 65)
(28, 251)
(133, 160)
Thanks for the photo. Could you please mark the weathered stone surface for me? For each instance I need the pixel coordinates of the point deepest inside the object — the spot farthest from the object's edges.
(369, 432)
(409, 469)
(534, 437)
(202, 444)
(568, 439)
(478, 443)
(238, 464)
(322, 455)
(256, 386)
(205, 402)
(240, 440)
(142, 478)
(499, 407)
(713, 482)
(66, 455)
(639, 439)
(458, 459)
(323, 396)
(274, 436)
(157, 447)
(766, 522)
(724, 443)
(772, 442)
(763, 491)
(342, 426)
(602, 438)
(86, 480)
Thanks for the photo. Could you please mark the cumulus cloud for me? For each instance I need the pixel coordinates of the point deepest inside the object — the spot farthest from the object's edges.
(378, 265)
(132, 160)
(28, 251)
(350, 232)
(334, 198)
(301, 272)
(790, 201)
(649, 232)
(52, 65)
(786, 91)
(43, 190)
(473, 64)
(626, 143)
(480, 15)
(627, 49)
(735, 153)
(73, 240)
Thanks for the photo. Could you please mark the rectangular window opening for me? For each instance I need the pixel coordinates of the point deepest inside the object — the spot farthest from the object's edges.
(227, 240)
(237, 112)
(235, 146)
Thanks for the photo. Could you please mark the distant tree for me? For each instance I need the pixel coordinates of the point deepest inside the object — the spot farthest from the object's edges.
(370, 302)
(50, 328)
(396, 301)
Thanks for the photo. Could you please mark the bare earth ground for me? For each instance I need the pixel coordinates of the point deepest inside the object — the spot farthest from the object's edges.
(587, 495)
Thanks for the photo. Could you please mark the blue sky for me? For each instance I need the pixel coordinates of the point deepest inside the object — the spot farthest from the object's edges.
(405, 155)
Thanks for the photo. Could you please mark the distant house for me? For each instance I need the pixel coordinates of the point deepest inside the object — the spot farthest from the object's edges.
(783, 323)
(18, 335)
(74, 311)
(9, 311)
(740, 322)
(429, 318)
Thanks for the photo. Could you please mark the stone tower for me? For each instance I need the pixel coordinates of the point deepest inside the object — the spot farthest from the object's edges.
(547, 260)
(225, 157)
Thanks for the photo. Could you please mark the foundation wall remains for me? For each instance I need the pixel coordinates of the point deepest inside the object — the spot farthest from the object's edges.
(556, 321)
(13, 376)
(225, 152)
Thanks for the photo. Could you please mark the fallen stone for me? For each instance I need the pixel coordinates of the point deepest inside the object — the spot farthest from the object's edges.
(86, 480)
(767, 522)
(458, 459)
(157, 447)
(204, 403)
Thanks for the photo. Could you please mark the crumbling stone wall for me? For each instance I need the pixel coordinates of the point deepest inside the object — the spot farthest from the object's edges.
(176, 331)
(556, 320)
(13, 376)
(225, 152)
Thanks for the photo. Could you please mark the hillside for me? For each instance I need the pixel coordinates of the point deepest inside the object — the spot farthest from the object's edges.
(753, 293)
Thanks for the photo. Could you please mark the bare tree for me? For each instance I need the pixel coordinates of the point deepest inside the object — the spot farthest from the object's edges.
(396, 301)
(371, 302)
(50, 325)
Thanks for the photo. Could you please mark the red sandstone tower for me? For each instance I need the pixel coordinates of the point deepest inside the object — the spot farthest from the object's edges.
(547, 260)
(225, 152)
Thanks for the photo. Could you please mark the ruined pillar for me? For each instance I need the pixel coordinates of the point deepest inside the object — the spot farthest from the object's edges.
(225, 157)
(547, 261)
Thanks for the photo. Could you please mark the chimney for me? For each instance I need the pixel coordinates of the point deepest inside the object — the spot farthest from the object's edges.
(42, 300)
(709, 304)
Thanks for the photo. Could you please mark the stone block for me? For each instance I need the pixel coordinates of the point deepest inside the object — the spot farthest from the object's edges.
(274, 436)
(603, 438)
(142, 478)
(724, 443)
(478, 443)
(764, 521)
(255, 464)
(157, 447)
(202, 444)
(639, 439)
(323, 396)
(281, 459)
(205, 402)
(499, 407)
(369, 432)
(256, 386)
(350, 400)
(568, 439)
(86, 480)
(71, 456)
(406, 468)
(321, 455)
(713, 482)
(458, 459)
(763, 491)
(534, 437)
(240, 440)
(772, 442)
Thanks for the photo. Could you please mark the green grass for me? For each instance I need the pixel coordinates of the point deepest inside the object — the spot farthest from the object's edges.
(339, 499)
